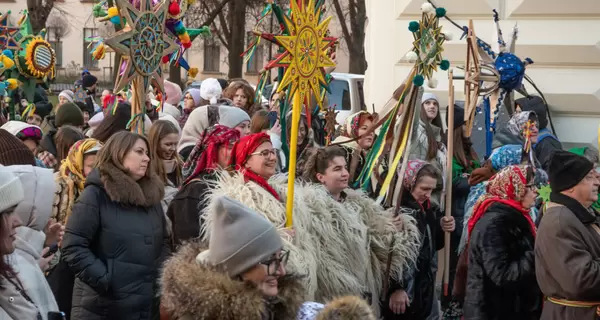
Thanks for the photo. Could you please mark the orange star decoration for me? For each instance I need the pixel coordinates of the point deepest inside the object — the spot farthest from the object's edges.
(306, 51)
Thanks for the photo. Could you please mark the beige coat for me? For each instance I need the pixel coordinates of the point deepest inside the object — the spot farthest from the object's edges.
(567, 261)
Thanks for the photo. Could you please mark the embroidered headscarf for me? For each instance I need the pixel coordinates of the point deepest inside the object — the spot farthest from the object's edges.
(205, 153)
(242, 150)
(508, 187)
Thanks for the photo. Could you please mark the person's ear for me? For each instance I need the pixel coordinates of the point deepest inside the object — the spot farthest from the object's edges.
(321, 177)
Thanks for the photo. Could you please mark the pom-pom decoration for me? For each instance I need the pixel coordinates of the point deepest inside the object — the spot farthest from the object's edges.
(448, 35)
(440, 12)
(411, 56)
(174, 8)
(12, 84)
(413, 26)
(192, 73)
(8, 53)
(427, 8)
(432, 83)
(6, 62)
(418, 80)
(445, 65)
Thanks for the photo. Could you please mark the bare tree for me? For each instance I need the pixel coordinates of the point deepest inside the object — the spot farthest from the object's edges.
(39, 11)
(353, 18)
(57, 26)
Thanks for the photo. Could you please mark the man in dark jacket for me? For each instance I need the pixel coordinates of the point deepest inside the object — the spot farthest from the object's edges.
(547, 142)
(567, 248)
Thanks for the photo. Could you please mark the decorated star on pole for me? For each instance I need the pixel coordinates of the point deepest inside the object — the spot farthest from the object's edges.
(144, 43)
(9, 35)
(306, 51)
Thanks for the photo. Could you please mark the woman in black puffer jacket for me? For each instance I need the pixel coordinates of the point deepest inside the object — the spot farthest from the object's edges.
(116, 239)
(501, 282)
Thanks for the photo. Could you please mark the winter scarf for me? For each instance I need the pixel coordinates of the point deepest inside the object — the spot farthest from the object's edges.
(240, 154)
(508, 187)
(204, 155)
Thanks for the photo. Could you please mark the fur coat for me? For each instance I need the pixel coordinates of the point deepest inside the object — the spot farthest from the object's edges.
(194, 291)
(353, 239)
(302, 248)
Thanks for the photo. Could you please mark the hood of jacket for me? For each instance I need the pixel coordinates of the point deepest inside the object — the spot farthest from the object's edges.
(35, 210)
(189, 288)
(535, 104)
(47, 143)
(121, 188)
(511, 132)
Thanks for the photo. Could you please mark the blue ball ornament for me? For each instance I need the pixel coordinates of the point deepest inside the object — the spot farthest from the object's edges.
(445, 65)
(413, 26)
(116, 20)
(511, 69)
(418, 80)
(8, 53)
(440, 12)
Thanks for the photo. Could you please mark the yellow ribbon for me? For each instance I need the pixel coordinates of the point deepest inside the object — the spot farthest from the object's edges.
(575, 304)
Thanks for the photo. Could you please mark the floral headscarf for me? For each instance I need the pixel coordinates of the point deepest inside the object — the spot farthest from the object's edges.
(71, 168)
(242, 150)
(353, 122)
(412, 171)
(204, 155)
(508, 186)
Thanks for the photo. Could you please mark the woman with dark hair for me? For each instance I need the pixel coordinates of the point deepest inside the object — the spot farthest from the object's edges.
(501, 281)
(210, 155)
(113, 122)
(65, 138)
(428, 143)
(305, 146)
(350, 261)
(166, 162)
(242, 96)
(116, 238)
(413, 297)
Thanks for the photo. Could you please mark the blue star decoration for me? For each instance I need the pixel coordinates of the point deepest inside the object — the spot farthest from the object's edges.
(143, 42)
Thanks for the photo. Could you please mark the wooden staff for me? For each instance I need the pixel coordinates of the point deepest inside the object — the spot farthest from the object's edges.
(296, 108)
(138, 101)
(450, 145)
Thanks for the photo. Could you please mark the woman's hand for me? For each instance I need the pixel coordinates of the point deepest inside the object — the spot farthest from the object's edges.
(398, 222)
(54, 233)
(447, 224)
(399, 302)
(44, 262)
(276, 129)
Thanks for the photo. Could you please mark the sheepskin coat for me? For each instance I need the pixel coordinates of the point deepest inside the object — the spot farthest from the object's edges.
(196, 291)
(302, 248)
(353, 238)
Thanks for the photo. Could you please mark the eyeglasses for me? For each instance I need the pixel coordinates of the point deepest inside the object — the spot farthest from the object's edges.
(265, 153)
(274, 264)
(187, 98)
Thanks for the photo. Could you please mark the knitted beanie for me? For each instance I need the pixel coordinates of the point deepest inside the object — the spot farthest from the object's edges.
(68, 113)
(67, 94)
(43, 108)
(88, 81)
(567, 169)
(173, 92)
(459, 116)
(232, 116)
(240, 238)
(195, 93)
(429, 96)
(11, 190)
(13, 151)
(211, 90)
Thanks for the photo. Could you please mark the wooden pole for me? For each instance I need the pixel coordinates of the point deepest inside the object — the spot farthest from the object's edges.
(296, 108)
(450, 145)
(138, 99)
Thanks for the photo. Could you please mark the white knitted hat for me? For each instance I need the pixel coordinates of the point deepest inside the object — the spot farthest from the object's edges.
(11, 190)
(211, 90)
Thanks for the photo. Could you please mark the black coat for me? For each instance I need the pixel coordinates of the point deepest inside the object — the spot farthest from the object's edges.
(501, 282)
(186, 207)
(419, 280)
(115, 242)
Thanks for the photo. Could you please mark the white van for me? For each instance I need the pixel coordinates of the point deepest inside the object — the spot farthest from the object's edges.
(346, 94)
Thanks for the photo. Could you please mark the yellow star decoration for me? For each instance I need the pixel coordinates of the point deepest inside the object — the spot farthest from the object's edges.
(428, 45)
(305, 51)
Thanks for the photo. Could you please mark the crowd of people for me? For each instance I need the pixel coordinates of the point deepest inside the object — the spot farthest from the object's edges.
(189, 221)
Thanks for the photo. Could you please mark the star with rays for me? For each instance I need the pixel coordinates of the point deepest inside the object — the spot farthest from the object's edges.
(9, 35)
(428, 45)
(305, 54)
(144, 43)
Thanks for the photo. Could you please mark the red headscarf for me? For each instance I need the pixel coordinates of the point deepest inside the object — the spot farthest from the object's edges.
(240, 154)
(205, 154)
(508, 186)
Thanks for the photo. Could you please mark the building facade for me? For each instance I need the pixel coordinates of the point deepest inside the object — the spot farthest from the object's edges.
(560, 36)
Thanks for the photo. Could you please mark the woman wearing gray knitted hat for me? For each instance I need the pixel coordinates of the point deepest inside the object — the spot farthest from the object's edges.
(242, 275)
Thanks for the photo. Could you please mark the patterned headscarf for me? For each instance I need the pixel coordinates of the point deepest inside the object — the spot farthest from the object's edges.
(508, 186)
(412, 171)
(71, 168)
(353, 122)
(517, 122)
(240, 154)
(205, 153)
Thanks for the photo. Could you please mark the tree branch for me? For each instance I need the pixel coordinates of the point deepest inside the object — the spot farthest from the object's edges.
(220, 36)
(224, 26)
(215, 12)
(342, 21)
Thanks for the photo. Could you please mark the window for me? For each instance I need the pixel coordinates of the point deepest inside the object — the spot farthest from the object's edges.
(340, 95)
(212, 55)
(88, 62)
(56, 43)
(255, 64)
